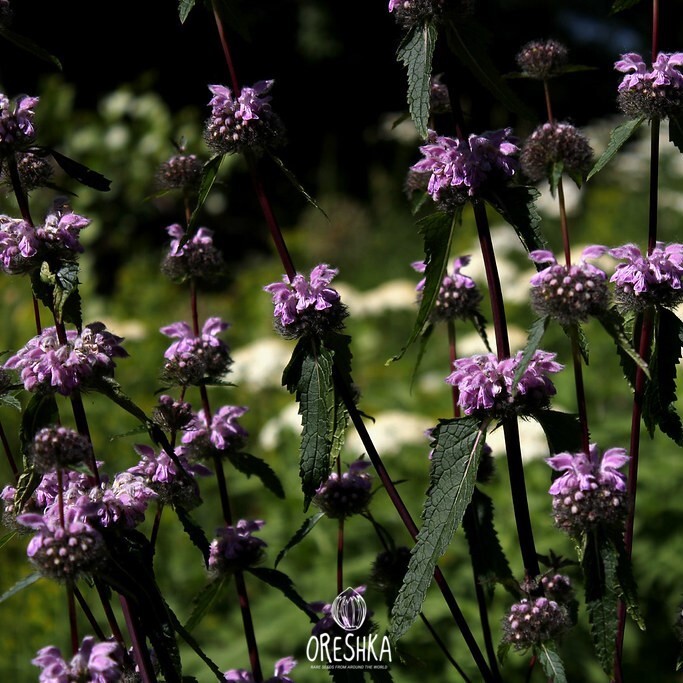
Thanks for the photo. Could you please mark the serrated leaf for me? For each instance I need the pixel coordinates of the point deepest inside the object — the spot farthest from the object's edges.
(562, 430)
(617, 139)
(19, 586)
(112, 390)
(284, 584)
(613, 323)
(295, 182)
(78, 171)
(251, 465)
(534, 338)
(416, 52)
(194, 645)
(301, 533)
(340, 345)
(66, 286)
(470, 41)
(40, 412)
(421, 348)
(659, 405)
(10, 400)
(479, 322)
(203, 601)
(195, 532)
(437, 230)
(599, 565)
(209, 175)
(489, 562)
(516, 205)
(551, 662)
(457, 448)
(503, 650)
(620, 5)
(628, 590)
(577, 336)
(184, 9)
(26, 44)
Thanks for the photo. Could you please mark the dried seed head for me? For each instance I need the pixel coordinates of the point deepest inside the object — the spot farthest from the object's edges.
(180, 172)
(542, 59)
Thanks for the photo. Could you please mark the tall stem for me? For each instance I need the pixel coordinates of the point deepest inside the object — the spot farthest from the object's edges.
(140, 652)
(510, 428)
(73, 622)
(443, 648)
(8, 453)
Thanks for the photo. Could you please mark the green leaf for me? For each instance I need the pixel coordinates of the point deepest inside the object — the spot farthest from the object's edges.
(613, 323)
(209, 174)
(576, 335)
(534, 338)
(479, 322)
(470, 42)
(40, 412)
(416, 52)
(628, 590)
(284, 584)
(555, 176)
(112, 390)
(422, 347)
(66, 289)
(29, 46)
(19, 586)
(302, 532)
(195, 532)
(676, 131)
(7, 538)
(516, 204)
(551, 662)
(84, 175)
(203, 601)
(489, 562)
(293, 179)
(562, 430)
(249, 464)
(10, 400)
(618, 137)
(309, 374)
(620, 5)
(340, 345)
(457, 448)
(184, 9)
(659, 405)
(189, 639)
(437, 230)
(599, 565)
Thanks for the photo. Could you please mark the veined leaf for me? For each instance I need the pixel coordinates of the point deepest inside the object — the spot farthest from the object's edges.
(628, 591)
(551, 662)
(284, 584)
(340, 345)
(293, 179)
(10, 400)
(534, 338)
(112, 390)
(516, 204)
(251, 465)
(479, 322)
(66, 291)
(617, 139)
(416, 52)
(19, 586)
(194, 645)
(562, 430)
(613, 323)
(458, 445)
(195, 532)
(437, 230)
(203, 601)
(422, 347)
(209, 174)
(84, 175)
(302, 532)
(184, 9)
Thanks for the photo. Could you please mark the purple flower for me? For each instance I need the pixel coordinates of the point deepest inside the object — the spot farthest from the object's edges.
(590, 490)
(462, 168)
(634, 67)
(59, 447)
(198, 258)
(646, 279)
(160, 470)
(345, 495)
(307, 303)
(47, 364)
(485, 384)
(194, 359)
(18, 243)
(16, 123)
(282, 667)
(224, 434)
(458, 295)
(235, 547)
(532, 621)
(93, 663)
(61, 229)
(243, 122)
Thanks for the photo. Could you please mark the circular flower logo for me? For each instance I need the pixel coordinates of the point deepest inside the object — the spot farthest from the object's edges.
(349, 610)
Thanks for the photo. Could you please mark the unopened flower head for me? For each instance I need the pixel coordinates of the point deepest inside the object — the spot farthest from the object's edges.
(458, 296)
(591, 490)
(644, 280)
(93, 663)
(283, 667)
(16, 123)
(569, 294)
(196, 359)
(439, 97)
(345, 495)
(181, 172)
(63, 551)
(223, 436)
(409, 13)
(47, 364)
(56, 448)
(34, 171)
(172, 415)
(173, 480)
(552, 144)
(542, 59)
(533, 621)
(198, 258)
(557, 587)
(236, 548)
(657, 91)
(388, 571)
(307, 305)
(243, 122)
(486, 384)
(466, 168)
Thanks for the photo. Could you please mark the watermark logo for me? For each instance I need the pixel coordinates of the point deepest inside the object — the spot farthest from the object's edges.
(346, 640)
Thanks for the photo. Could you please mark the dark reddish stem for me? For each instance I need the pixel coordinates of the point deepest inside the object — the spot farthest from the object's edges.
(73, 621)
(109, 613)
(340, 556)
(443, 648)
(88, 614)
(226, 51)
(8, 453)
(510, 428)
(655, 29)
(140, 652)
